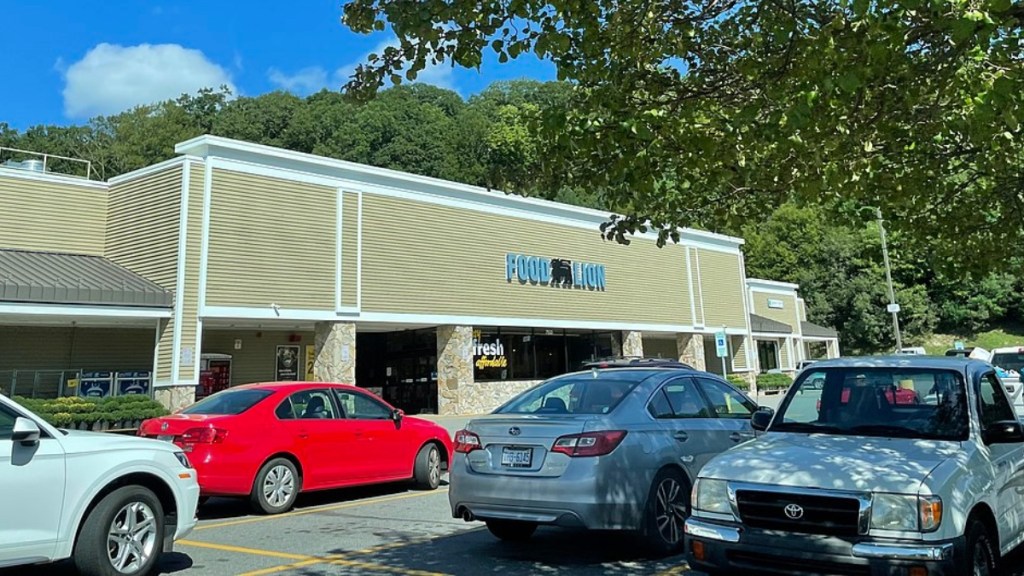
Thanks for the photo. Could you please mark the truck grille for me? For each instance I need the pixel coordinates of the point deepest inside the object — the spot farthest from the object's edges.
(807, 514)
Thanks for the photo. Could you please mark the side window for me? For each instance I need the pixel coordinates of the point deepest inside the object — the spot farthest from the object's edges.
(685, 400)
(313, 405)
(285, 410)
(659, 406)
(361, 407)
(7, 418)
(727, 402)
(993, 405)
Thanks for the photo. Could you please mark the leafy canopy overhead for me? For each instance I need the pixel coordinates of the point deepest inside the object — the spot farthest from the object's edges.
(688, 112)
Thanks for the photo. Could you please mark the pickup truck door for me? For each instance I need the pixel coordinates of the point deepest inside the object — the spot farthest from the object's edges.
(32, 477)
(1007, 460)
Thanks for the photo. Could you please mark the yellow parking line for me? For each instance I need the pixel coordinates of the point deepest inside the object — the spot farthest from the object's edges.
(283, 568)
(378, 500)
(674, 571)
(243, 550)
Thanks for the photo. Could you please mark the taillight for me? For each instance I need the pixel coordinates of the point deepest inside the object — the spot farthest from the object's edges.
(466, 442)
(203, 436)
(589, 443)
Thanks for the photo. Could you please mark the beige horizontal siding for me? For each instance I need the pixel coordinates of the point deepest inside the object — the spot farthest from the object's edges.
(784, 361)
(52, 216)
(738, 348)
(143, 216)
(430, 259)
(165, 354)
(786, 314)
(722, 289)
(349, 248)
(256, 360)
(271, 241)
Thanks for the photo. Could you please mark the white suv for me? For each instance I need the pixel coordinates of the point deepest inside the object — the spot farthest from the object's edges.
(903, 465)
(112, 503)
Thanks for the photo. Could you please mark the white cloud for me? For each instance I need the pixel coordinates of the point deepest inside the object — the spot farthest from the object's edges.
(112, 78)
(305, 81)
(313, 78)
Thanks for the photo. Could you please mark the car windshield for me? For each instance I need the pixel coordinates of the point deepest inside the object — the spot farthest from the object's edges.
(228, 402)
(1009, 361)
(893, 402)
(585, 393)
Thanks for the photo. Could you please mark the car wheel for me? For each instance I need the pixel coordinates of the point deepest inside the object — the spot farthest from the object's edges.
(428, 467)
(203, 500)
(666, 512)
(512, 530)
(122, 536)
(276, 487)
(981, 556)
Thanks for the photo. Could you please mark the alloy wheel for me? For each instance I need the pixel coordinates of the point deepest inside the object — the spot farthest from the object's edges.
(278, 486)
(131, 540)
(434, 467)
(670, 510)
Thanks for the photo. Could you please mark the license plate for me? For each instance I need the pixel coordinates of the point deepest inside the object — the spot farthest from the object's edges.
(166, 437)
(516, 457)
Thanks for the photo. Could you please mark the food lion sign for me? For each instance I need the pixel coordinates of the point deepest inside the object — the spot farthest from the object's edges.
(555, 272)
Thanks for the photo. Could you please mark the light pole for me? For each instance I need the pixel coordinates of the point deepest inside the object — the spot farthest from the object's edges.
(893, 307)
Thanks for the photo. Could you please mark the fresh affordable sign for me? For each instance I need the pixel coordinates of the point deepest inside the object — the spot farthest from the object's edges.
(488, 354)
(556, 272)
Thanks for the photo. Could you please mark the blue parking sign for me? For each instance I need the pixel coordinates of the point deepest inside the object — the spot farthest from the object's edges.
(721, 345)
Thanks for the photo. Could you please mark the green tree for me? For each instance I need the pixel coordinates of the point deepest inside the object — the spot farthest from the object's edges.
(711, 113)
(264, 119)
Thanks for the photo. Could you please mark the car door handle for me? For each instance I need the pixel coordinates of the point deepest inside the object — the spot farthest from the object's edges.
(738, 437)
(681, 436)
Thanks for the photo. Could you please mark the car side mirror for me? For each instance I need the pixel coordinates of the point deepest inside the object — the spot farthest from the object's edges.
(25, 431)
(762, 418)
(1004, 432)
(397, 414)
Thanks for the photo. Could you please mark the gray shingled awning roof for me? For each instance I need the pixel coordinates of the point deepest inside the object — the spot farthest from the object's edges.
(51, 278)
(762, 324)
(815, 331)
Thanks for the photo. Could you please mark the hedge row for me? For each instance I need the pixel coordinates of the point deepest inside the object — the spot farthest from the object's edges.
(773, 381)
(91, 413)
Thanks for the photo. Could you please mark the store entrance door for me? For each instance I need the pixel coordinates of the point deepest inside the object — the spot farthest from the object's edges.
(401, 367)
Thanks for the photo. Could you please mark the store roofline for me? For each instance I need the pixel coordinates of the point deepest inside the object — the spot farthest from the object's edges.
(216, 146)
(755, 282)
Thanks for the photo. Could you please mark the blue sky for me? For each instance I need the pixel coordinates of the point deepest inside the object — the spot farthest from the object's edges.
(68, 61)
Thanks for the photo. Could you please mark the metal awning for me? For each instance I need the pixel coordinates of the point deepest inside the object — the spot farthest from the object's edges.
(762, 324)
(53, 278)
(814, 331)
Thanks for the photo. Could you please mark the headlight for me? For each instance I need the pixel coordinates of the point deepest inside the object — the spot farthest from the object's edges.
(183, 459)
(906, 513)
(711, 496)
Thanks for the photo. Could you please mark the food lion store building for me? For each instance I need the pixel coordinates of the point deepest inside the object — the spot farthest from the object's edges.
(235, 262)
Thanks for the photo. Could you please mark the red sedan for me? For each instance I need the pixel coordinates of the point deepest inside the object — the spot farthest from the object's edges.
(271, 441)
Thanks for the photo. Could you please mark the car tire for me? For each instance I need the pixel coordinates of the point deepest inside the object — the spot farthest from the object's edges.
(203, 500)
(668, 506)
(427, 470)
(981, 557)
(512, 530)
(276, 487)
(132, 520)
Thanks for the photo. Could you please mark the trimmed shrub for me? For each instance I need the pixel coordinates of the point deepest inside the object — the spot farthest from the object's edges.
(773, 381)
(76, 412)
(737, 382)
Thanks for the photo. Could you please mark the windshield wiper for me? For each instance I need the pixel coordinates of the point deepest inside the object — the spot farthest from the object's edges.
(805, 427)
(887, 430)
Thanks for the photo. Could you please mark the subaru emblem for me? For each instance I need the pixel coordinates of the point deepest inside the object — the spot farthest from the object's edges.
(514, 431)
(164, 426)
(794, 511)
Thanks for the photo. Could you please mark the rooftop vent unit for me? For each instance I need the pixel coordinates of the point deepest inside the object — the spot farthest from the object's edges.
(48, 163)
(31, 165)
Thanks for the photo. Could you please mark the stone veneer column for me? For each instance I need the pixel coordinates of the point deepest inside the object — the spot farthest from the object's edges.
(454, 367)
(633, 344)
(690, 348)
(175, 398)
(335, 352)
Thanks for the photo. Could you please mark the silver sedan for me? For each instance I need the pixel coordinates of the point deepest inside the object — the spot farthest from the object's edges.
(608, 449)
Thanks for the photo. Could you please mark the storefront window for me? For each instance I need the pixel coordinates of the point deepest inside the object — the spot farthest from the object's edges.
(534, 354)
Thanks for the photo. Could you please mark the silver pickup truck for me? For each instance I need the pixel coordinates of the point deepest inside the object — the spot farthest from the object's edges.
(900, 465)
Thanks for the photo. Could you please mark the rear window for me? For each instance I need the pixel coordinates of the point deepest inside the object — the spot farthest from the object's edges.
(1009, 360)
(576, 394)
(228, 402)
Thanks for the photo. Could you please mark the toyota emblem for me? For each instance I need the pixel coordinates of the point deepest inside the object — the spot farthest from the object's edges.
(794, 511)
(164, 426)
(514, 431)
